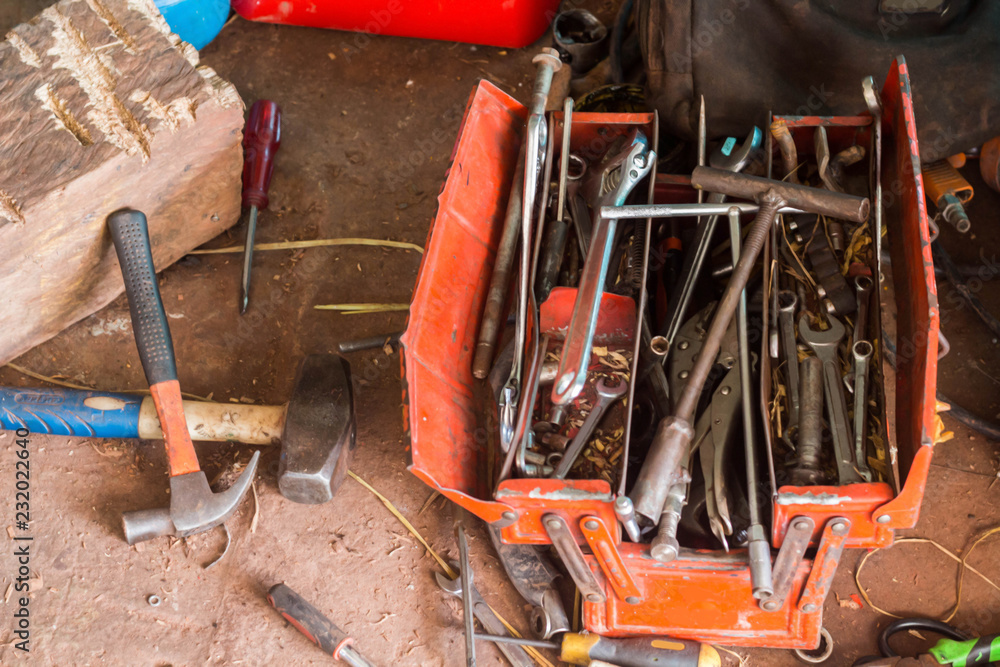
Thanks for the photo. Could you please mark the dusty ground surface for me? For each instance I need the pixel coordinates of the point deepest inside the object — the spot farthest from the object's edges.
(356, 160)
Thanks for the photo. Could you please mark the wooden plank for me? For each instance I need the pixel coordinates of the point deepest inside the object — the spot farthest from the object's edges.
(102, 107)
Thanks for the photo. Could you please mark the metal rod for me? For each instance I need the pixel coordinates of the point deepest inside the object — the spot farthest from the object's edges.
(824, 202)
(500, 639)
(370, 343)
(496, 295)
(633, 211)
(760, 553)
(466, 575)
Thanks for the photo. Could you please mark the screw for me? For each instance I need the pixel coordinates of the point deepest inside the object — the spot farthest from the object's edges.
(684, 375)
(590, 525)
(632, 599)
(808, 608)
(725, 391)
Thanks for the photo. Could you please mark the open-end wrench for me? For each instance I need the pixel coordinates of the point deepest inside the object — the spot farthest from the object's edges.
(605, 397)
(724, 157)
(824, 345)
(514, 653)
(787, 303)
(862, 354)
(621, 172)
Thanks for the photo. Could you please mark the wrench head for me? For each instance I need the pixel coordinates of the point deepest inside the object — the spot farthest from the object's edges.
(816, 338)
(611, 392)
(626, 162)
(788, 301)
(735, 158)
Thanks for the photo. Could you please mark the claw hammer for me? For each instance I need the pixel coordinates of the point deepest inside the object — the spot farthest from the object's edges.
(193, 506)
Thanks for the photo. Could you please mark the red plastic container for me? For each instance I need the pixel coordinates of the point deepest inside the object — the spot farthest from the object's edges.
(511, 23)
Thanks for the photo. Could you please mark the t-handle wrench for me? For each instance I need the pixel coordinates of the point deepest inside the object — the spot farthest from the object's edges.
(621, 174)
(824, 344)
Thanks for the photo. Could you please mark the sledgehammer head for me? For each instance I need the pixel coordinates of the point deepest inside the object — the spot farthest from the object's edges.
(319, 433)
(193, 507)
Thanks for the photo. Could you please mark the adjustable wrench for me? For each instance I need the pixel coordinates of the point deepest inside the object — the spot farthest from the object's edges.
(605, 397)
(514, 653)
(862, 353)
(787, 302)
(620, 174)
(824, 344)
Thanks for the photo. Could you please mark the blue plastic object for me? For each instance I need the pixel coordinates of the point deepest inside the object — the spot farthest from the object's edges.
(87, 414)
(197, 22)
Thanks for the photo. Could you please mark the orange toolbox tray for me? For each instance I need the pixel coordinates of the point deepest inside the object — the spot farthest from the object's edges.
(703, 595)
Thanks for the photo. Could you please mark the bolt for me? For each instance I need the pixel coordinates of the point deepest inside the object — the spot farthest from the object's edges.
(632, 599)
(684, 375)
(840, 527)
(883, 519)
(808, 608)
(590, 525)
(509, 516)
(593, 597)
(684, 345)
(553, 524)
(639, 161)
(801, 524)
(770, 605)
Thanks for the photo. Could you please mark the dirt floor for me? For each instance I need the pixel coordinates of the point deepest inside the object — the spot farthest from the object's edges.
(358, 158)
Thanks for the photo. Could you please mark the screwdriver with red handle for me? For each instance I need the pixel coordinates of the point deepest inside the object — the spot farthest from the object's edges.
(261, 140)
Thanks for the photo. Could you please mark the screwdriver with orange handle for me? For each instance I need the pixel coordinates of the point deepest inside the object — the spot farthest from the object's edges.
(261, 140)
(588, 649)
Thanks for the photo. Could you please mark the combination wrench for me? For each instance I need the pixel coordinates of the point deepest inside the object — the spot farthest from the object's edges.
(824, 345)
(621, 172)
(605, 397)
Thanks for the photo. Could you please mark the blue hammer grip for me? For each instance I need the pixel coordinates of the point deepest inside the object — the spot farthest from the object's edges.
(149, 321)
(87, 414)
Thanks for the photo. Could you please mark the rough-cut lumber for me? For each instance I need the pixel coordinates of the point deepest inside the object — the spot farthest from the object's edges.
(102, 107)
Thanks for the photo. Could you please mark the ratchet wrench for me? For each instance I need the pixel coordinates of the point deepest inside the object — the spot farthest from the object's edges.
(621, 173)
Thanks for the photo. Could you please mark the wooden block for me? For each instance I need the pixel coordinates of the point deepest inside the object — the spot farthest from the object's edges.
(102, 107)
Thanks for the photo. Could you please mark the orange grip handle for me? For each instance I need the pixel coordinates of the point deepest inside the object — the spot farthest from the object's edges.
(181, 456)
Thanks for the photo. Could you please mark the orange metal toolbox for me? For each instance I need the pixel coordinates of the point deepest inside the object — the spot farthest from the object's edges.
(702, 595)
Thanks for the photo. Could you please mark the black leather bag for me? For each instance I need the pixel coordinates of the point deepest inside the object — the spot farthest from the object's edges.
(808, 57)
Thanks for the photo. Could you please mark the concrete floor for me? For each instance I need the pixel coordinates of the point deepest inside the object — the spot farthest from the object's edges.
(357, 160)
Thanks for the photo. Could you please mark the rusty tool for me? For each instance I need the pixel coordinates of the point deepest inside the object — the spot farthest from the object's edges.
(807, 470)
(484, 614)
(261, 140)
(316, 428)
(311, 622)
(673, 436)
(605, 397)
(193, 506)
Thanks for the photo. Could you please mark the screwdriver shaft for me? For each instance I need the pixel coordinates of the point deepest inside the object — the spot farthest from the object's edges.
(248, 260)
